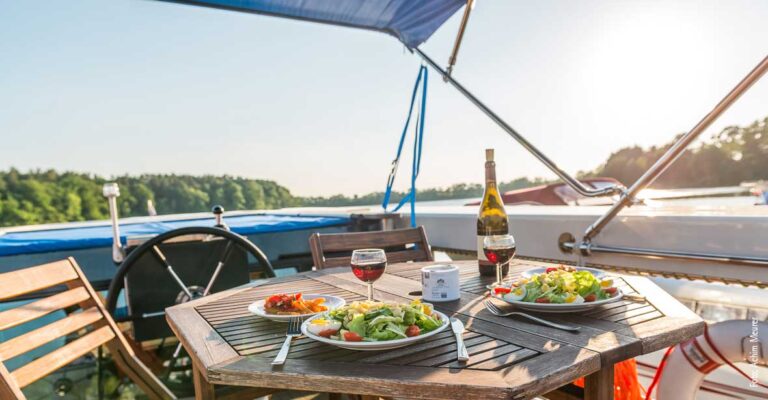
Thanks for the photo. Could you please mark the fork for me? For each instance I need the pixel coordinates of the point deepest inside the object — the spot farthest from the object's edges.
(294, 330)
(497, 311)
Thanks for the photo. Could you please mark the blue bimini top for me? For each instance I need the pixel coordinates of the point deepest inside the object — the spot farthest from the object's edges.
(84, 237)
(410, 21)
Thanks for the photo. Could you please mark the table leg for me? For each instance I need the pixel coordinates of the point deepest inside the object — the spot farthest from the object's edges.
(203, 389)
(599, 385)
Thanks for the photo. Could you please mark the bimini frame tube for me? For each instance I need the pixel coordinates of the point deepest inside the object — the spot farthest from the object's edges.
(572, 182)
(676, 150)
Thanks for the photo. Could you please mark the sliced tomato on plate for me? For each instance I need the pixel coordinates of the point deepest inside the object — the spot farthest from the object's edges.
(352, 337)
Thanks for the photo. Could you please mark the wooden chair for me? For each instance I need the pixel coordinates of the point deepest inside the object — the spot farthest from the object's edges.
(401, 245)
(91, 320)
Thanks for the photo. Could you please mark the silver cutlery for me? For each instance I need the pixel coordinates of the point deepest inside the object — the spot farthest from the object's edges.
(634, 297)
(498, 312)
(458, 329)
(294, 330)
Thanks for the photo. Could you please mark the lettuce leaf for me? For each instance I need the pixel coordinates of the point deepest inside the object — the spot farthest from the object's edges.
(358, 325)
(379, 322)
(427, 323)
(382, 334)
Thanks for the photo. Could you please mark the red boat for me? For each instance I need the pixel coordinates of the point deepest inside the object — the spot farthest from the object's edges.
(556, 194)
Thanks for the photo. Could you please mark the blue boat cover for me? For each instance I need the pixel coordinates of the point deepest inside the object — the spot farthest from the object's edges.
(411, 21)
(42, 241)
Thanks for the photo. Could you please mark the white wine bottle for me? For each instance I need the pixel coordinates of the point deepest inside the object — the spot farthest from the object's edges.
(492, 219)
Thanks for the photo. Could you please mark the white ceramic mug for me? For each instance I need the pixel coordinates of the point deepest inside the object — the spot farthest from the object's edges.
(440, 283)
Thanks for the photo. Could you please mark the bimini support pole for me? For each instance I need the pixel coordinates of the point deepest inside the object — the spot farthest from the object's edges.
(459, 36)
(674, 152)
(572, 182)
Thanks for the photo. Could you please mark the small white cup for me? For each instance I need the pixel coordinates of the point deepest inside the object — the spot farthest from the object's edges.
(440, 283)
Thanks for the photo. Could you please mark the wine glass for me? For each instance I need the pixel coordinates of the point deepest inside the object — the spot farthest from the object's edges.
(499, 249)
(368, 265)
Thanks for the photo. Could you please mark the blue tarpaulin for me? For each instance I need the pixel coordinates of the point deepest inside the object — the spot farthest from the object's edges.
(411, 21)
(42, 241)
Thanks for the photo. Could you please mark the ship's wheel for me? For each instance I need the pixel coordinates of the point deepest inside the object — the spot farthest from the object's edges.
(175, 267)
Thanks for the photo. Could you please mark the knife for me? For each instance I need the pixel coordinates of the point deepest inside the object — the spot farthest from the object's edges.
(458, 328)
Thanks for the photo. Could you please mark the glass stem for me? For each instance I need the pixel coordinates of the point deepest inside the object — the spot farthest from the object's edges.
(498, 273)
(370, 290)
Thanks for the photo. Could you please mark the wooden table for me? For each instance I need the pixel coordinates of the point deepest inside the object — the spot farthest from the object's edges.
(510, 358)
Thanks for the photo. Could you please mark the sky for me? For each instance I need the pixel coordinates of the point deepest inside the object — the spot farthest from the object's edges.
(139, 86)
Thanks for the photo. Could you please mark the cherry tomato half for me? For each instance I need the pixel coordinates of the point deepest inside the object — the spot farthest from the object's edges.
(412, 330)
(352, 337)
(327, 333)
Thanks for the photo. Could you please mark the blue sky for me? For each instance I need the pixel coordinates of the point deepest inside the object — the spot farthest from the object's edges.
(135, 86)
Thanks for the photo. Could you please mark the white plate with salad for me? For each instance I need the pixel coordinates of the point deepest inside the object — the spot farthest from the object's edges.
(373, 325)
(599, 274)
(559, 290)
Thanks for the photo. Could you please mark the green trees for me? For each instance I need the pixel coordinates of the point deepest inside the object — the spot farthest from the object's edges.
(40, 197)
(735, 155)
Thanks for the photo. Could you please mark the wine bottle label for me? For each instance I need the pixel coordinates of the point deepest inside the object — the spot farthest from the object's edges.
(480, 253)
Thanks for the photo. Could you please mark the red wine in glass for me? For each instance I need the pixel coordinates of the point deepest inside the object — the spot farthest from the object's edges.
(499, 249)
(368, 265)
(499, 255)
(369, 273)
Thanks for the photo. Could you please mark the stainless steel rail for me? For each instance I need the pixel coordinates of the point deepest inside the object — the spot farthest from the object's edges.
(572, 182)
(589, 248)
(111, 191)
(676, 150)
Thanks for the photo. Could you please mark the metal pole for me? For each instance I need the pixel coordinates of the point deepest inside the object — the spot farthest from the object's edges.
(572, 182)
(462, 27)
(590, 248)
(111, 191)
(676, 150)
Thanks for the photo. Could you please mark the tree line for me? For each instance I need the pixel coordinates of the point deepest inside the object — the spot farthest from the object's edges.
(735, 155)
(38, 197)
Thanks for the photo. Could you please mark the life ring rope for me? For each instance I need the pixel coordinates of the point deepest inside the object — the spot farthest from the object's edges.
(711, 344)
(708, 366)
(657, 376)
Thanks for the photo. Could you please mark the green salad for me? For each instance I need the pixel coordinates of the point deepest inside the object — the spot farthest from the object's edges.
(376, 321)
(560, 285)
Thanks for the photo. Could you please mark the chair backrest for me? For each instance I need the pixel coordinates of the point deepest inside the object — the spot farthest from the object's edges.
(401, 245)
(90, 320)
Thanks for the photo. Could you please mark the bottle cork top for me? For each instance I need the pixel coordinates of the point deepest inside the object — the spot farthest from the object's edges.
(488, 154)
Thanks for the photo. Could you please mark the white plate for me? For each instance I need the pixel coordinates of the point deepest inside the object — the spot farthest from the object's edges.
(599, 274)
(370, 346)
(331, 302)
(560, 308)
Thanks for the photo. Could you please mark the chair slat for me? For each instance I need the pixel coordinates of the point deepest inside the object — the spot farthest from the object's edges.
(38, 337)
(334, 250)
(359, 240)
(39, 308)
(406, 255)
(29, 280)
(62, 356)
(392, 257)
